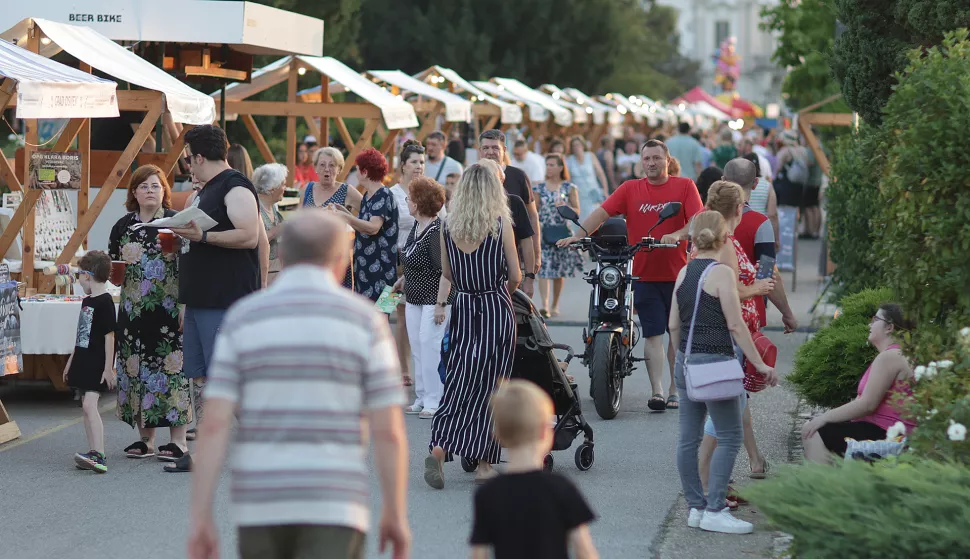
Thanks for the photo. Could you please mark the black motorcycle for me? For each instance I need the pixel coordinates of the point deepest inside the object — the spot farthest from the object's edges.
(612, 334)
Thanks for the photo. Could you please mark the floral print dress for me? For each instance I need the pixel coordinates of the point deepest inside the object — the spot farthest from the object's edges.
(375, 256)
(152, 391)
(556, 262)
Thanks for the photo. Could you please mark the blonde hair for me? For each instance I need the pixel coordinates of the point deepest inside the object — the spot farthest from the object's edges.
(521, 410)
(708, 230)
(332, 153)
(479, 201)
(673, 166)
(725, 197)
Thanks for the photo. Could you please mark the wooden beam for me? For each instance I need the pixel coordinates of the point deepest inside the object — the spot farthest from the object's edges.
(428, 122)
(311, 125)
(446, 129)
(821, 103)
(7, 89)
(388, 142)
(257, 136)
(31, 140)
(68, 134)
(291, 89)
(323, 133)
(175, 153)
(344, 132)
(827, 119)
(362, 143)
(813, 144)
(17, 221)
(282, 108)
(492, 121)
(84, 194)
(8, 427)
(146, 127)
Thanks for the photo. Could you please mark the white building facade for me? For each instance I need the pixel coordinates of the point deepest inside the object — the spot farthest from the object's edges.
(704, 24)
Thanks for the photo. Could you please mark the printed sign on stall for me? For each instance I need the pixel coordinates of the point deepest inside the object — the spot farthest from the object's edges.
(10, 350)
(54, 170)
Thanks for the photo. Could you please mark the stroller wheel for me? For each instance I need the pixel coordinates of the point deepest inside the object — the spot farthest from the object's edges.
(584, 457)
(469, 464)
(547, 463)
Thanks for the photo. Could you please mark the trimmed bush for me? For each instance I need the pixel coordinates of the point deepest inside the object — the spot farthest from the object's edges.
(828, 366)
(897, 509)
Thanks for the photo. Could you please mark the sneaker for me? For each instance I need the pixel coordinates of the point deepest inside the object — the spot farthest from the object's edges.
(427, 413)
(413, 409)
(724, 523)
(694, 519)
(91, 460)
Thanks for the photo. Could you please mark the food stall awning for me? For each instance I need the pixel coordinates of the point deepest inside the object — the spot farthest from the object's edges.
(537, 113)
(560, 115)
(706, 109)
(627, 106)
(612, 115)
(186, 105)
(581, 112)
(49, 89)
(457, 109)
(511, 113)
(697, 95)
(245, 26)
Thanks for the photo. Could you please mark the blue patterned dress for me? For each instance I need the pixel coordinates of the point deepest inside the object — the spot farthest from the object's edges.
(375, 256)
(556, 262)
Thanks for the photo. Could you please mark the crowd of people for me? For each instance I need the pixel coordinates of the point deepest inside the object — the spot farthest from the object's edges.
(254, 319)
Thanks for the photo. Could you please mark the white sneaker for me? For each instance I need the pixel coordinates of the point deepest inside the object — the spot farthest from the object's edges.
(694, 519)
(724, 523)
(413, 409)
(427, 413)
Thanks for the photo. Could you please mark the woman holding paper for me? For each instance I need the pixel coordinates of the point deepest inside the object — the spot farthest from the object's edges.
(152, 391)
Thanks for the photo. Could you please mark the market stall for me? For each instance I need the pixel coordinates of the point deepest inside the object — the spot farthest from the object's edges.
(377, 106)
(564, 122)
(536, 113)
(428, 100)
(630, 111)
(489, 111)
(587, 120)
(42, 88)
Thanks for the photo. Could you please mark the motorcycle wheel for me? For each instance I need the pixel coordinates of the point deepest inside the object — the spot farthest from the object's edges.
(606, 383)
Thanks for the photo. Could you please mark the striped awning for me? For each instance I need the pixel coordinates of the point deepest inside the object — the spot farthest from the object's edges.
(49, 89)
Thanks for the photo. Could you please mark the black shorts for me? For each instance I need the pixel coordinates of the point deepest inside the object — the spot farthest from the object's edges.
(788, 193)
(834, 434)
(810, 196)
(652, 300)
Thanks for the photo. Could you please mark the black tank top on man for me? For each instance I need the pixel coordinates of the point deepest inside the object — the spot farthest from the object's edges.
(210, 276)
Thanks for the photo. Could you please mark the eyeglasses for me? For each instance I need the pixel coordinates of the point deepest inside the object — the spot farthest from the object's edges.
(85, 272)
(149, 187)
(881, 319)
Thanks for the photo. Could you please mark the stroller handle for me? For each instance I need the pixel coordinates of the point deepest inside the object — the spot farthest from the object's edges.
(567, 349)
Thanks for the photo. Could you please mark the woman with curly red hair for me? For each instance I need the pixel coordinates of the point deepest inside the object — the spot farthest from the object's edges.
(375, 249)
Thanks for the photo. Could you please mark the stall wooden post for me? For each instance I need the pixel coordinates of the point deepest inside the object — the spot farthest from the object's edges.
(31, 139)
(324, 133)
(8, 427)
(257, 137)
(363, 143)
(291, 87)
(84, 195)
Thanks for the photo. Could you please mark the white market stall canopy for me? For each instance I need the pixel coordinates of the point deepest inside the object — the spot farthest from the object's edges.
(580, 113)
(511, 112)
(396, 113)
(537, 113)
(457, 109)
(627, 107)
(245, 26)
(185, 104)
(706, 109)
(561, 116)
(49, 89)
(612, 115)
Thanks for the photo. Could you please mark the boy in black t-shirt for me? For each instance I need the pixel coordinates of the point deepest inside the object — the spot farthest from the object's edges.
(90, 369)
(527, 513)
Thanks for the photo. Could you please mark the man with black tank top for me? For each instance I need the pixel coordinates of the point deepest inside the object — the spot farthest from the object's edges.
(219, 266)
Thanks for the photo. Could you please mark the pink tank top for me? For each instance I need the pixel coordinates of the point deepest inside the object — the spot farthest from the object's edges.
(887, 414)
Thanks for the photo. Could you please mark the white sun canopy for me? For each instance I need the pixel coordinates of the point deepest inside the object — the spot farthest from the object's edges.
(628, 107)
(581, 111)
(49, 89)
(457, 109)
(511, 113)
(612, 115)
(561, 116)
(184, 103)
(706, 109)
(537, 113)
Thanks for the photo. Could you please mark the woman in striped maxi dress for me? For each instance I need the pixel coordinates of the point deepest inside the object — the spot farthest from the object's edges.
(478, 256)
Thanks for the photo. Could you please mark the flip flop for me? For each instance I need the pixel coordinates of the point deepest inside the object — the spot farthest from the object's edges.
(173, 450)
(143, 450)
(181, 465)
(673, 402)
(544, 313)
(433, 475)
(762, 474)
(191, 434)
(408, 381)
(657, 403)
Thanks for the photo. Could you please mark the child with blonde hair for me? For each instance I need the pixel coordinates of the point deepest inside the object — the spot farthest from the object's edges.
(526, 512)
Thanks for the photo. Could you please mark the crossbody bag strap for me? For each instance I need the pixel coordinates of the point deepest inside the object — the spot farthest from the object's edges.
(697, 303)
(440, 169)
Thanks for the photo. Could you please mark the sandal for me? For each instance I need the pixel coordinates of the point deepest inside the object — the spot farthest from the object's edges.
(180, 465)
(673, 402)
(433, 474)
(139, 450)
(657, 403)
(555, 311)
(408, 381)
(763, 473)
(170, 452)
(191, 434)
(544, 313)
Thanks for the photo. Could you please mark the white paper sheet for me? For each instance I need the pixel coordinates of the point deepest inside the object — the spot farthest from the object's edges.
(182, 219)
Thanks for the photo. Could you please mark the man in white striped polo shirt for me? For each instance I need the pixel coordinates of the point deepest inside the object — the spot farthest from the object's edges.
(307, 366)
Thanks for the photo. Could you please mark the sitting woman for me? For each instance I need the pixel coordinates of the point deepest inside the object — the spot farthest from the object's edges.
(882, 390)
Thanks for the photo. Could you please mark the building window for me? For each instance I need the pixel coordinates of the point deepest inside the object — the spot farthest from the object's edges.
(721, 32)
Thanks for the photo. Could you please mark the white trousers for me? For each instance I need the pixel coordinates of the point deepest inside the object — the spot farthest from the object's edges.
(425, 338)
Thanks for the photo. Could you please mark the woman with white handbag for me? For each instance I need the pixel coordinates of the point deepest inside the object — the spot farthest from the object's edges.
(705, 323)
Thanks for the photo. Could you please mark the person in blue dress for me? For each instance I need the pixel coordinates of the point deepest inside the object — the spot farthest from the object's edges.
(375, 247)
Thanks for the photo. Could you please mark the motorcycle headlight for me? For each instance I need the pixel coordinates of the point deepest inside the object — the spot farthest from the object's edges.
(610, 277)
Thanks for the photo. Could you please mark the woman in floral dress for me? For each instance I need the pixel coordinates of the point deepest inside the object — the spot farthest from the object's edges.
(557, 263)
(152, 392)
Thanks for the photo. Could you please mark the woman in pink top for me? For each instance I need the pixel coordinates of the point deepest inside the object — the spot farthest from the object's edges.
(882, 392)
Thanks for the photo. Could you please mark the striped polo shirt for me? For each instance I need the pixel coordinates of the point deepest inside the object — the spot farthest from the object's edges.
(303, 361)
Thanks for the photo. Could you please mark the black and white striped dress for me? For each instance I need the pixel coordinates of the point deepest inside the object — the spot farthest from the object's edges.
(481, 348)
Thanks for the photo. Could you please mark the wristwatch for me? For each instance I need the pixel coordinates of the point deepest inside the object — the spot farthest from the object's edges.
(203, 240)
(530, 276)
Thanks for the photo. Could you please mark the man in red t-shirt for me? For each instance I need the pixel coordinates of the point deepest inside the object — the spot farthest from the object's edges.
(641, 201)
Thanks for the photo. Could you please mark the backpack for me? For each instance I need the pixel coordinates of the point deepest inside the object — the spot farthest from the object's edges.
(798, 170)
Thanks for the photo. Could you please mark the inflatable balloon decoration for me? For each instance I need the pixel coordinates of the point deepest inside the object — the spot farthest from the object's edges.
(728, 68)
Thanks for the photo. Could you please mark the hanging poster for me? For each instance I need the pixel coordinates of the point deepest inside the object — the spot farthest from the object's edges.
(10, 350)
(55, 170)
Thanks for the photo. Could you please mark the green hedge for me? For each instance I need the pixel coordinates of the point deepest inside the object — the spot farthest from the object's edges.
(828, 367)
(897, 509)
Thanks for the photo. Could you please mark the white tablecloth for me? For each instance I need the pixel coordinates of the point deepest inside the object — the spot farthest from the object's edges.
(49, 327)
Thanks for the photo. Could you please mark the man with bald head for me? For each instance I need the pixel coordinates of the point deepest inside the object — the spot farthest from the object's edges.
(757, 239)
(311, 372)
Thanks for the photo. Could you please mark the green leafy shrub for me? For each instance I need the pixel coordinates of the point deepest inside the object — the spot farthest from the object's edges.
(828, 367)
(857, 167)
(897, 509)
(924, 205)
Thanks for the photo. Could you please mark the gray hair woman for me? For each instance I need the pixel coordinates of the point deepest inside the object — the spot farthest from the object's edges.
(270, 183)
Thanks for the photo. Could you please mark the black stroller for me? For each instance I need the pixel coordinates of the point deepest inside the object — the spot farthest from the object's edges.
(535, 360)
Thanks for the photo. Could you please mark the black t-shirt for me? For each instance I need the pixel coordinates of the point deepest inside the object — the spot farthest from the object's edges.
(96, 321)
(517, 182)
(521, 225)
(528, 515)
(213, 277)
